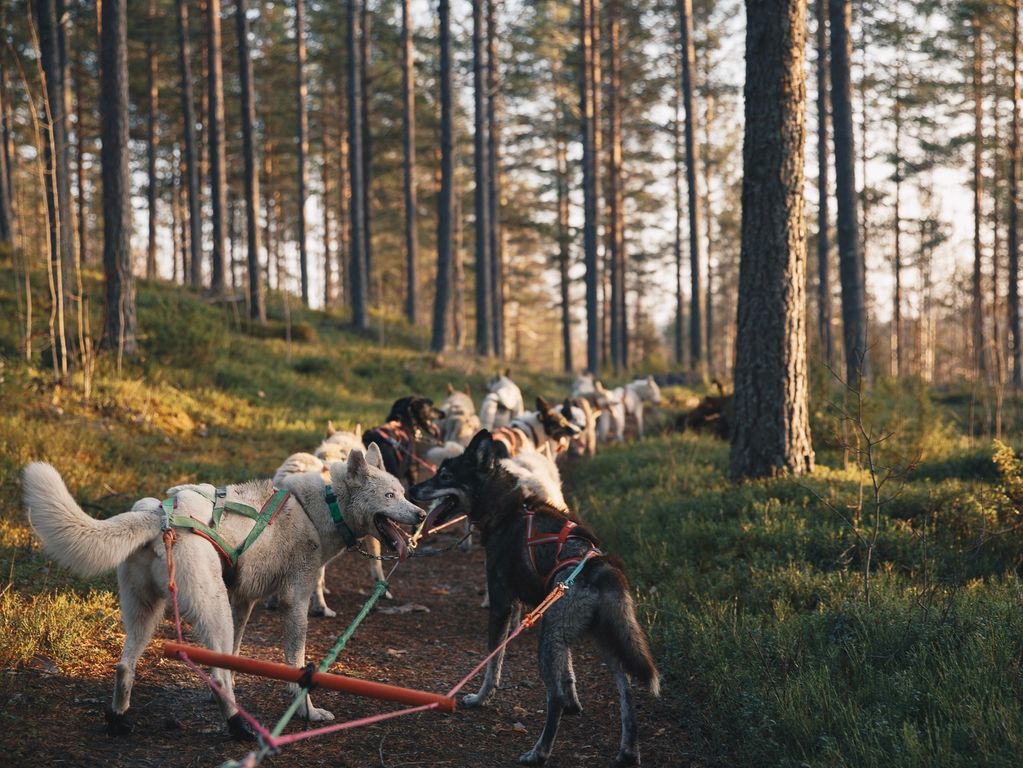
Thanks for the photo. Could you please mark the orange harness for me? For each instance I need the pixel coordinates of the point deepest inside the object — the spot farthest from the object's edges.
(512, 438)
(534, 540)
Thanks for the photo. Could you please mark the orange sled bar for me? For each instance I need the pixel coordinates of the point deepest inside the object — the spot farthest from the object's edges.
(277, 671)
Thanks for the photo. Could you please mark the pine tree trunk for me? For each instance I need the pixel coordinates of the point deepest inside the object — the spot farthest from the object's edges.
(302, 141)
(481, 154)
(696, 332)
(772, 429)
(897, 340)
(680, 345)
(119, 327)
(708, 224)
(82, 219)
(408, 114)
(1014, 199)
(344, 218)
(564, 241)
(977, 306)
(218, 169)
(152, 140)
(191, 153)
(824, 318)
(257, 306)
(615, 219)
(6, 171)
(589, 162)
(357, 261)
(446, 199)
(494, 172)
(58, 186)
(365, 61)
(851, 270)
(328, 223)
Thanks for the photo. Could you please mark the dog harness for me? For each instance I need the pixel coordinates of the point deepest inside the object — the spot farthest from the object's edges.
(264, 517)
(513, 438)
(398, 437)
(534, 540)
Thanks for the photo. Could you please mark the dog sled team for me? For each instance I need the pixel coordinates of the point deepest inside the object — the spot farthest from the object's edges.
(270, 540)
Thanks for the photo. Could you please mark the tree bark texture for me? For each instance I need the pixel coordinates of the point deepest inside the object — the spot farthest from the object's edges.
(976, 286)
(696, 334)
(152, 141)
(302, 146)
(257, 307)
(494, 172)
(589, 141)
(119, 326)
(191, 153)
(357, 261)
(481, 162)
(824, 315)
(852, 272)
(218, 169)
(408, 114)
(1014, 200)
(446, 199)
(772, 430)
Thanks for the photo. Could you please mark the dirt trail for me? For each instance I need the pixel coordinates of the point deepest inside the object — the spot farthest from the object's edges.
(177, 725)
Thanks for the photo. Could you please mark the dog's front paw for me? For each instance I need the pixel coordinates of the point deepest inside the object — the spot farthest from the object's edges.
(388, 595)
(239, 728)
(471, 700)
(119, 724)
(533, 757)
(626, 757)
(315, 714)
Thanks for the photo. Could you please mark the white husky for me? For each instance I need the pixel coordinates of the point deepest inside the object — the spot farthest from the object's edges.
(502, 403)
(284, 559)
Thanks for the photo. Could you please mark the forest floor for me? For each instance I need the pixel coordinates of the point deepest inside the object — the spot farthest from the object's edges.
(56, 720)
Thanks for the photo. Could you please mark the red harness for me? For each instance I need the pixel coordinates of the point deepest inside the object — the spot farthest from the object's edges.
(534, 540)
(403, 443)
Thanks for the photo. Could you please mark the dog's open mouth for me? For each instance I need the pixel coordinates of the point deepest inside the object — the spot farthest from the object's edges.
(393, 535)
(440, 511)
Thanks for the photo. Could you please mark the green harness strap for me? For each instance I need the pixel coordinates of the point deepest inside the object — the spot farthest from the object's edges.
(230, 555)
(339, 521)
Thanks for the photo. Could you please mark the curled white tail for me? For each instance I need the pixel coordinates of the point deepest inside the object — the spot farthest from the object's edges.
(81, 543)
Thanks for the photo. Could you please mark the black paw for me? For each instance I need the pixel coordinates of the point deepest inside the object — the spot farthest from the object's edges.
(573, 708)
(119, 724)
(239, 729)
(626, 757)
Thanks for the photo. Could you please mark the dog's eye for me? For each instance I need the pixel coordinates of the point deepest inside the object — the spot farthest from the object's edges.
(389, 495)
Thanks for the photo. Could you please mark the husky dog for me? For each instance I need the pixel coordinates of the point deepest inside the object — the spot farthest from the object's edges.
(284, 559)
(460, 421)
(611, 422)
(598, 603)
(409, 424)
(545, 430)
(335, 447)
(502, 403)
(636, 393)
(579, 411)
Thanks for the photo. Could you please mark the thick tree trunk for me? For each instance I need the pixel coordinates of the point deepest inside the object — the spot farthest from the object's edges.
(772, 428)
(58, 187)
(446, 199)
(152, 141)
(481, 153)
(589, 140)
(119, 327)
(1014, 200)
(357, 261)
(615, 219)
(257, 307)
(191, 153)
(218, 169)
(823, 226)
(696, 332)
(494, 174)
(408, 114)
(302, 142)
(977, 289)
(852, 272)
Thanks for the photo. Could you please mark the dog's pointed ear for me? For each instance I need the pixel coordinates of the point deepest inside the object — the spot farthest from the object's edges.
(467, 389)
(330, 428)
(507, 372)
(481, 449)
(358, 430)
(373, 456)
(541, 404)
(451, 389)
(357, 464)
(566, 407)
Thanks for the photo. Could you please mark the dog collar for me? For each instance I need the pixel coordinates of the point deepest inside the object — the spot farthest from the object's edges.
(339, 521)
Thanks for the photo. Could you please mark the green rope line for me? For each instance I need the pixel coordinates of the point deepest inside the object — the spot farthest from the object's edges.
(332, 654)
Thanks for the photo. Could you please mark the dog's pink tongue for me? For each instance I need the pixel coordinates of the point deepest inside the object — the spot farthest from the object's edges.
(400, 541)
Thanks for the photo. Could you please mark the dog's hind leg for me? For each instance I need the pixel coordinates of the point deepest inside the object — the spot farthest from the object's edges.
(296, 622)
(142, 607)
(318, 602)
(554, 668)
(628, 750)
(572, 705)
(503, 613)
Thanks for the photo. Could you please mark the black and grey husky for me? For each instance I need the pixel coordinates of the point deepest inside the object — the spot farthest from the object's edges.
(531, 547)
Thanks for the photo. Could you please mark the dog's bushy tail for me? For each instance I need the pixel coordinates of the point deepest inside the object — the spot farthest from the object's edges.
(83, 544)
(619, 631)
